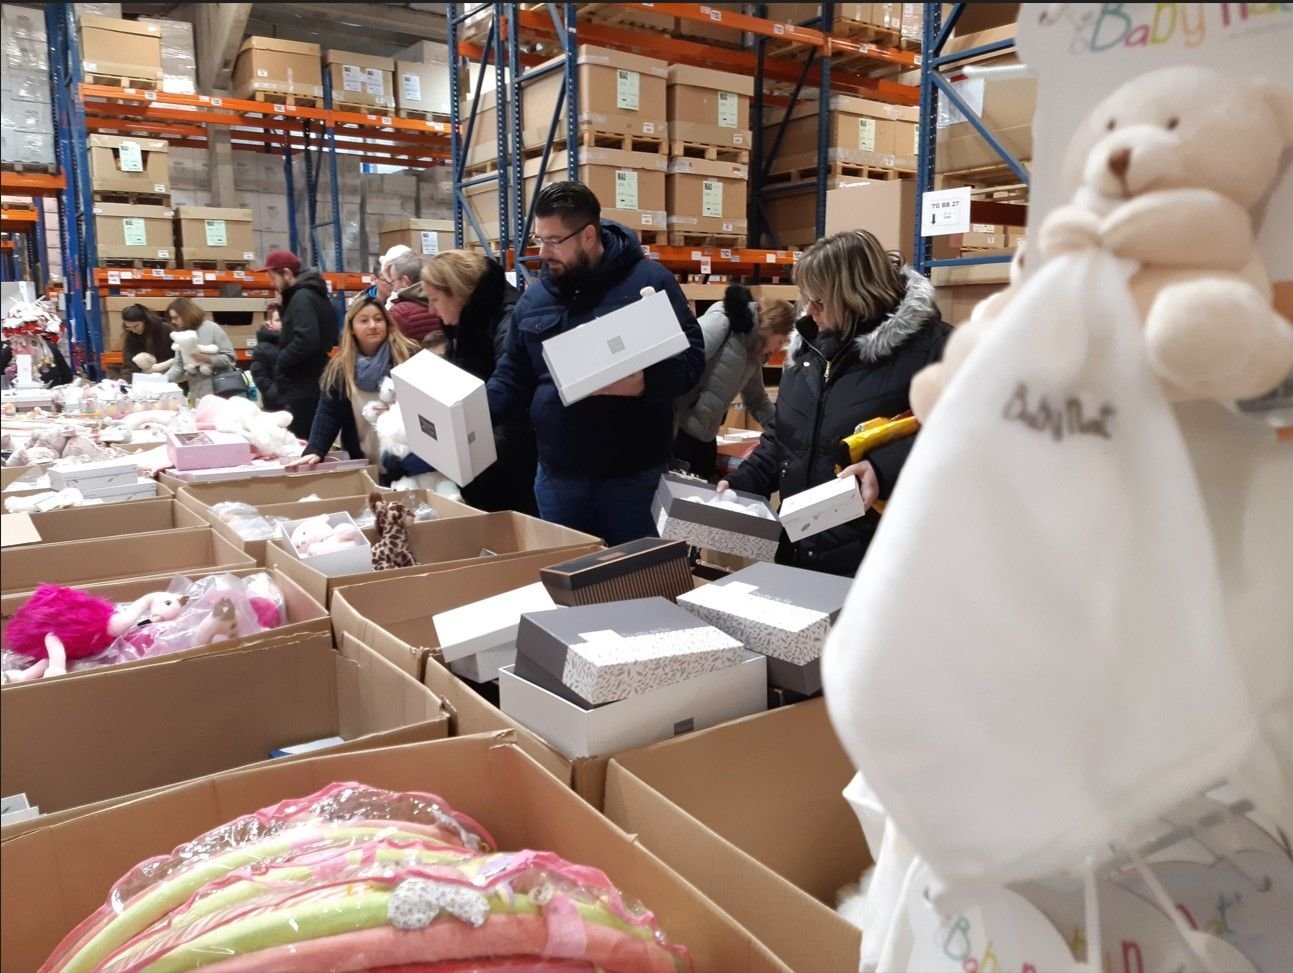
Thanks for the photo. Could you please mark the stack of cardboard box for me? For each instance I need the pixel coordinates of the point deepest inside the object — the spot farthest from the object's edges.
(130, 179)
(26, 120)
(270, 69)
(121, 52)
(361, 82)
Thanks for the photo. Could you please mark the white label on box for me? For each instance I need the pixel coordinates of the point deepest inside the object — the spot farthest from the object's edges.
(24, 369)
(711, 196)
(866, 134)
(944, 211)
(217, 234)
(163, 255)
(648, 128)
(352, 77)
(374, 82)
(627, 89)
(738, 139)
(135, 232)
(262, 73)
(430, 241)
(132, 157)
(915, 140)
(982, 228)
(410, 87)
(248, 255)
(647, 219)
(728, 101)
(626, 188)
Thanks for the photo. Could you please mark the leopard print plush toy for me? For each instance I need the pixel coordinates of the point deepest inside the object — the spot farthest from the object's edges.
(392, 547)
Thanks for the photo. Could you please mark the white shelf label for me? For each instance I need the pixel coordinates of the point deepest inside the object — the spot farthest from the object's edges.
(627, 89)
(705, 265)
(945, 211)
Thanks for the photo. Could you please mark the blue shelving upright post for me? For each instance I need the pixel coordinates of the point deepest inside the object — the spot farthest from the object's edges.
(457, 16)
(501, 118)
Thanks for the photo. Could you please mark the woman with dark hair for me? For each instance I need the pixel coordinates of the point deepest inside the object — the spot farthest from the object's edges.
(264, 357)
(147, 333)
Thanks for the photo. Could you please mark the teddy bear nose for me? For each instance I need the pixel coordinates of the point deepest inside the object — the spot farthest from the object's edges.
(1119, 161)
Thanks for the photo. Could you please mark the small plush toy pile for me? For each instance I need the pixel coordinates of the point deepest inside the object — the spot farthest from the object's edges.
(61, 629)
(355, 879)
(64, 441)
(316, 536)
(731, 500)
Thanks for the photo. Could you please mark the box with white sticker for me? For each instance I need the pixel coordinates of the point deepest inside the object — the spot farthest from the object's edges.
(825, 506)
(597, 654)
(688, 509)
(446, 416)
(781, 612)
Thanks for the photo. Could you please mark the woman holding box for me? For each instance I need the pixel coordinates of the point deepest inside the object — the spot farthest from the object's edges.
(872, 324)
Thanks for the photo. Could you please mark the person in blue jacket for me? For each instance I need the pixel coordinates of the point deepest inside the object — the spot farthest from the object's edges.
(600, 459)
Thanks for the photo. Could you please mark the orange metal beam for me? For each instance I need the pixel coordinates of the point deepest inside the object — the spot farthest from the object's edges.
(180, 277)
(727, 17)
(31, 183)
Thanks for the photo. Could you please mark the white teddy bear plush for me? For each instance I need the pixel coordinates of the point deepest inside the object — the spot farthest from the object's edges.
(315, 536)
(389, 424)
(185, 343)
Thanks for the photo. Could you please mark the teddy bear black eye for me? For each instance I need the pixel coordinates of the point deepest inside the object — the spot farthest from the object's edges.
(1172, 123)
(1110, 125)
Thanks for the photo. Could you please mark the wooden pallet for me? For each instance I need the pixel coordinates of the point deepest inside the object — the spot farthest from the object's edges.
(701, 238)
(653, 237)
(839, 170)
(44, 168)
(283, 98)
(227, 266)
(136, 263)
(422, 116)
(142, 199)
(593, 139)
(679, 149)
(116, 81)
(356, 109)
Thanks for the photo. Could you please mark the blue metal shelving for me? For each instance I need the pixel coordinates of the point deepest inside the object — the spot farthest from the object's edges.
(933, 86)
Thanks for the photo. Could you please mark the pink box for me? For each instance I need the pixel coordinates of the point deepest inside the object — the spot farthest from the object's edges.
(205, 450)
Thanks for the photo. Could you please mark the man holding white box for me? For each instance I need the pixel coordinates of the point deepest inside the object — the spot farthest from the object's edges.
(600, 456)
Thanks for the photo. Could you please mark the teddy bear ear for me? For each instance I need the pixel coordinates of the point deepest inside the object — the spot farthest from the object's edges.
(1279, 99)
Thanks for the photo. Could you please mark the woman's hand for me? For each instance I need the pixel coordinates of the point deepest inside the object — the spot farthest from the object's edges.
(200, 358)
(309, 459)
(867, 482)
(722, 485)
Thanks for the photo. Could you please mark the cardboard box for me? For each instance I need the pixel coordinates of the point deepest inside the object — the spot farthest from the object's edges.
(682, 515)
(709, 107)
(488, 624)
(862, 132)
(126, 231)
(887, 210)
(707, 197)
(696, 703)
(306, 620)
(426, 237)
(274, 65)
(984, 236)
(781, 612)
(205, 450)
(457, 542)
(122, 48)
(286, 488)
(177, 719)
(618, 93)
(770, 871)
(361, 79)
(592, 655)
(69, 868)
(352, 559)
(214, 233)
(422, 87)
(83, 523)
(1008, 106)
(820, 508)
(446, 416)
(484, 667)
(644, 568)
(608, 348)
(153, 555)
(129, 165)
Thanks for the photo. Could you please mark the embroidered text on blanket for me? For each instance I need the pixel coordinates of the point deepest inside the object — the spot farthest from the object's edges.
(1070, 420)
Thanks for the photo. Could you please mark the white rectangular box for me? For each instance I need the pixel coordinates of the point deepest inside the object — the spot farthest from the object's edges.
(694, 704)
(484, 666)
(349, 560)
(141, 488)
(96, 475)
(821, 508)
(609, 348)
(446, 416)
(489, 623)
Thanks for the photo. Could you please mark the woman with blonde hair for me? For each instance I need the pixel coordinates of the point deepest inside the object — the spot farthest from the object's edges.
(872, 324)
(371, 345)
(740, 336)
(473, 299)
(187, 315)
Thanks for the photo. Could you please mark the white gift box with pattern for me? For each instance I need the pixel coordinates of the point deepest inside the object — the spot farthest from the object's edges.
(822, 507)
(781, 612)
(682, 514)
(597, 654)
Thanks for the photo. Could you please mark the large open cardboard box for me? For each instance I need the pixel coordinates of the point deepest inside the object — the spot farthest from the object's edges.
(75, 742)
(445, 545)
(306, 619)
(153, 555)
(743, 812)
(110, 520)
(285, 488)
(66, 870)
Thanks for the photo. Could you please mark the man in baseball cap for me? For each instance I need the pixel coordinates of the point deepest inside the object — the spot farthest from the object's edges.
(308, 335)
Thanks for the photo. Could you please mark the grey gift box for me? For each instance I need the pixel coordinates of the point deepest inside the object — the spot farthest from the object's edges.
(596, 654)
(679, 518)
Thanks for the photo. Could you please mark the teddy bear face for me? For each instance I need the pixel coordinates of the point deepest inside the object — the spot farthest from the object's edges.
(1183, 127)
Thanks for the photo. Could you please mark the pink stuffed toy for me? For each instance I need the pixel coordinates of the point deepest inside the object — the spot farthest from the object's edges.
(315, 536)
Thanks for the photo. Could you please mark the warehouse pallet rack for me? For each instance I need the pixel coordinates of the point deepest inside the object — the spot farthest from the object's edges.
(509, 25)
(22, 226)
(312, 135)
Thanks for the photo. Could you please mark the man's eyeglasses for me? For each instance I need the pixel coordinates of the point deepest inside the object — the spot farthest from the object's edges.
(552, 241)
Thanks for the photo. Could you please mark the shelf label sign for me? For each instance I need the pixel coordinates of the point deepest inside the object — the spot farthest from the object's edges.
(134, 232)
(627, 90)
(626, 189)
(711, 198)
(430, 241)
(945, 211)
(217, 235)
(132, 158)
(728, 101)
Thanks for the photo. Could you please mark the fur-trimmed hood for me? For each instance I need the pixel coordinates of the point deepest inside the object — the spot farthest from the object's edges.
(915, 311)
